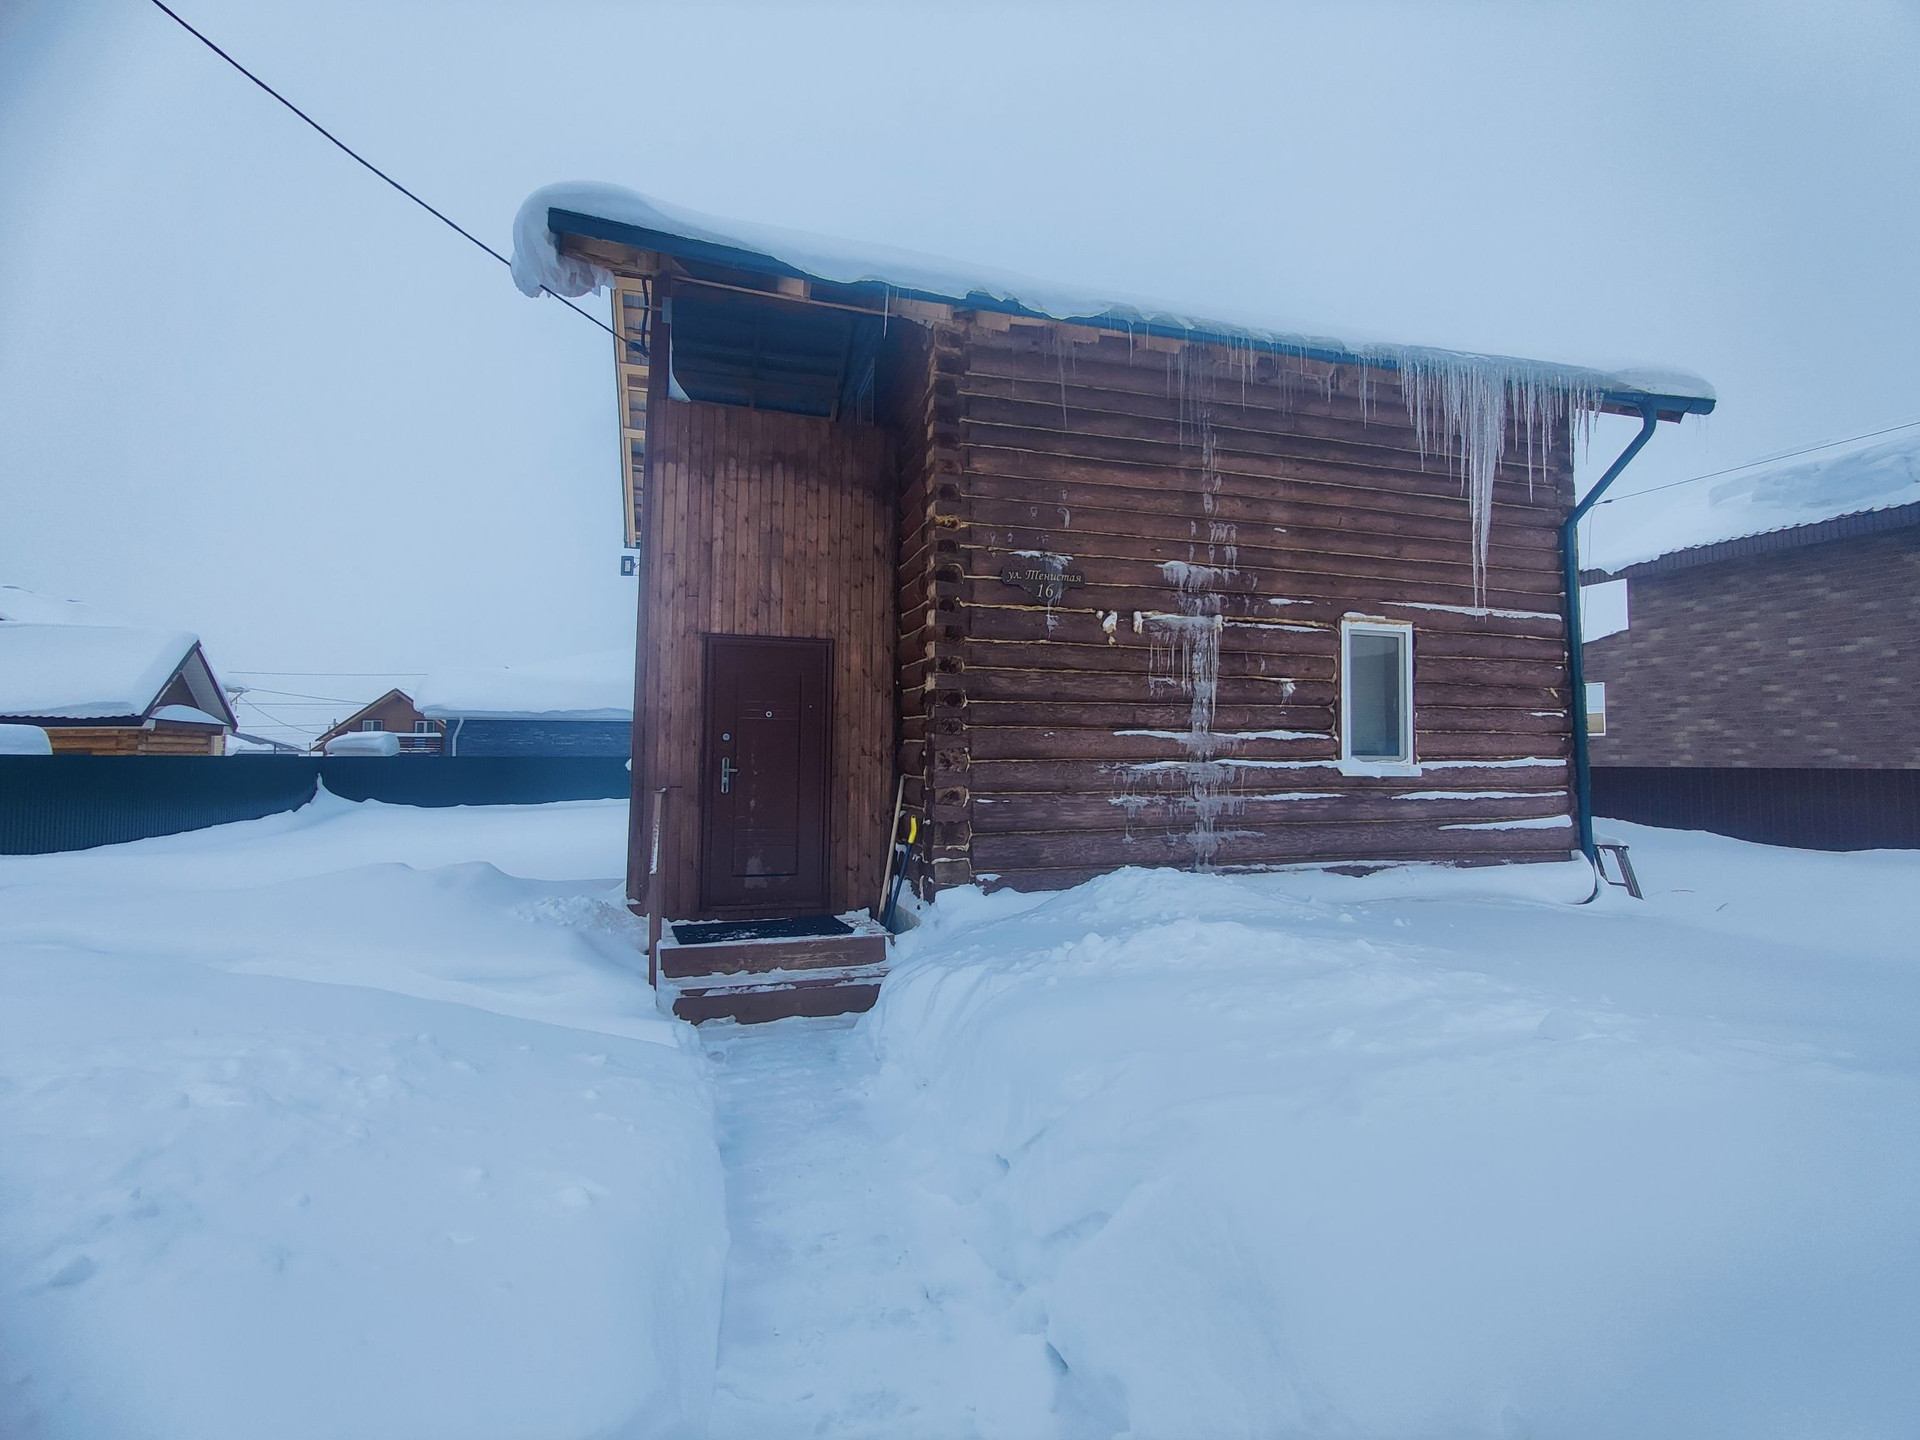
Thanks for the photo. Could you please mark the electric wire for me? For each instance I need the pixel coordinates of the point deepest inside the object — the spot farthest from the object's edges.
(1769, 460)
(365, 163)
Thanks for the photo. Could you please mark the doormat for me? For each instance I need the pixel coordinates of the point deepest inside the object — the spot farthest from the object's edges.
(722, 932)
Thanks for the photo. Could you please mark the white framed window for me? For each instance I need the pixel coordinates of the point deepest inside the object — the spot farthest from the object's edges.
(1376, 698)
(373, 724)
(423, 727)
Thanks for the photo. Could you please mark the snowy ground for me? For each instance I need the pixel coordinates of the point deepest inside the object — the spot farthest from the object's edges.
(358, 1122)
(355, 1122)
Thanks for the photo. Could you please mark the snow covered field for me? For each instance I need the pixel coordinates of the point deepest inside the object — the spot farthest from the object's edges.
(354, 1122)
(359, 1122)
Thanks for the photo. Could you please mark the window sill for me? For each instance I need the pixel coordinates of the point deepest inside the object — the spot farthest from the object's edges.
(1400, 768)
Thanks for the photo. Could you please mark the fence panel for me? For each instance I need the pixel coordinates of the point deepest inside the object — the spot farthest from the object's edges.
(74, 802)
(1810, 809)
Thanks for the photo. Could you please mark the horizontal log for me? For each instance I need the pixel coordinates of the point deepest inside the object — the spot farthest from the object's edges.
(1516, 684)
(1260, 546)
(1265, 409)
(1098, 777)
(1246, 810)
(1350, 594)
(1240, 491)
(1162, 711)
(1231, 435)
(1035, 881)
(1252, 575)
(1520, 726)
(1224, 466)
(1333, 841)
(1021, 742)
(1242, 654)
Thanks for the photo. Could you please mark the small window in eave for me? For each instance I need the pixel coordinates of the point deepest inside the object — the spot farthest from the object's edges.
(1376, 693)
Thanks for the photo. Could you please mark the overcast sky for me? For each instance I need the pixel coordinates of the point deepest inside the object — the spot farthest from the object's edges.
(246, 390)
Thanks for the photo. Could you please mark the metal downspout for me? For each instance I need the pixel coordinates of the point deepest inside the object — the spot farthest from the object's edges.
(1576, 666)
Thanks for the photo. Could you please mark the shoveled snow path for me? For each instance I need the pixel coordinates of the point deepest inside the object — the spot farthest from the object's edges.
(854, 1304)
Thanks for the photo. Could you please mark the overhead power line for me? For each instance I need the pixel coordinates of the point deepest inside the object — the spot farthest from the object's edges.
(1769, 460)
(365, 163)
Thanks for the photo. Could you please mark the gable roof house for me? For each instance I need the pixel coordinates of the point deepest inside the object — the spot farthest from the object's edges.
(104, 689)
(1767, 681)
(1089, 583)
(395, 714)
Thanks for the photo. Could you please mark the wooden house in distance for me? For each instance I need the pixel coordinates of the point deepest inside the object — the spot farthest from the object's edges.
(394, 713)
(112, 689)
(1103, 584)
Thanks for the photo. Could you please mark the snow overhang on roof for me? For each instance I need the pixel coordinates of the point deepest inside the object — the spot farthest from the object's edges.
(87, 672)
(625, 217)
(596, 686)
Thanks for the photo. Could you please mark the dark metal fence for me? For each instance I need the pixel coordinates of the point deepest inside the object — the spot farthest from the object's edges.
(1830, 809)
(74, 802)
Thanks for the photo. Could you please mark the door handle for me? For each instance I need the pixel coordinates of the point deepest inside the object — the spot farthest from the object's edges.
(727, 767)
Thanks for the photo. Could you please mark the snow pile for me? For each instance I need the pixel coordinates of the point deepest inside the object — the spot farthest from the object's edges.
(595, 686)
(24, 740)
(323, 1125)
(538, 264)
(1437, 1153)
(85, 672)
(365, 742)
(1871, 477)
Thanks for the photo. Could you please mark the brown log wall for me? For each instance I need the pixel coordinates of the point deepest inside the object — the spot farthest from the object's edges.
(1307, 502)
(775, 525)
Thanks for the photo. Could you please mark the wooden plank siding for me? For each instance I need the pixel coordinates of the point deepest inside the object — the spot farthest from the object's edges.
(1294, 500)
(775, 525)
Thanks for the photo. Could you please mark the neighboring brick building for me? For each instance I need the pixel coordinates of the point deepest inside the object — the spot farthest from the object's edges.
(1790, 657)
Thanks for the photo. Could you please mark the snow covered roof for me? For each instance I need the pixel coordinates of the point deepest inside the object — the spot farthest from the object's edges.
(86, 672)
(609, 212)
(595, 686)
(1870, 478)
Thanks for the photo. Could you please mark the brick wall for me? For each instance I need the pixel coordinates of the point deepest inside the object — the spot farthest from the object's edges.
(1805, 658)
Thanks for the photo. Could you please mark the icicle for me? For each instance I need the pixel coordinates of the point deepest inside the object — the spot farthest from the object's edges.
(1465, 407)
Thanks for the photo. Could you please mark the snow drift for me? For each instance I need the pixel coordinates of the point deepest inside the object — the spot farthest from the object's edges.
(1435, 1154)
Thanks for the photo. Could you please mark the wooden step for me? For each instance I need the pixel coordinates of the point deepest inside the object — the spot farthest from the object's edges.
(866, 945)
(756, 997)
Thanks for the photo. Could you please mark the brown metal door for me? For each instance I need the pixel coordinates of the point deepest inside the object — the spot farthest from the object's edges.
(767, 762)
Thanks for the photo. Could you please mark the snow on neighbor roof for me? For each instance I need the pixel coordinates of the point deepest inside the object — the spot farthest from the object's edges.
(538, 263)
(38, 609)
(1867, 478)
(595, 686)
(86, 672)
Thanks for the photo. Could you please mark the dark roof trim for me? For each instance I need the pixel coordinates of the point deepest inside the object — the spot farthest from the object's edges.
(680, 247)
(1856, 526)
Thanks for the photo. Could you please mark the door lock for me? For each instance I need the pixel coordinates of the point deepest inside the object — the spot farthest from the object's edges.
(727, 767)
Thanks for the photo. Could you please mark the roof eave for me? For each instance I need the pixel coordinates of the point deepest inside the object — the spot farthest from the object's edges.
(680, 247)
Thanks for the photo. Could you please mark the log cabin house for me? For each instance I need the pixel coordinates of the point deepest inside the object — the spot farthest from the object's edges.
(112, 689)
(1086, 584)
